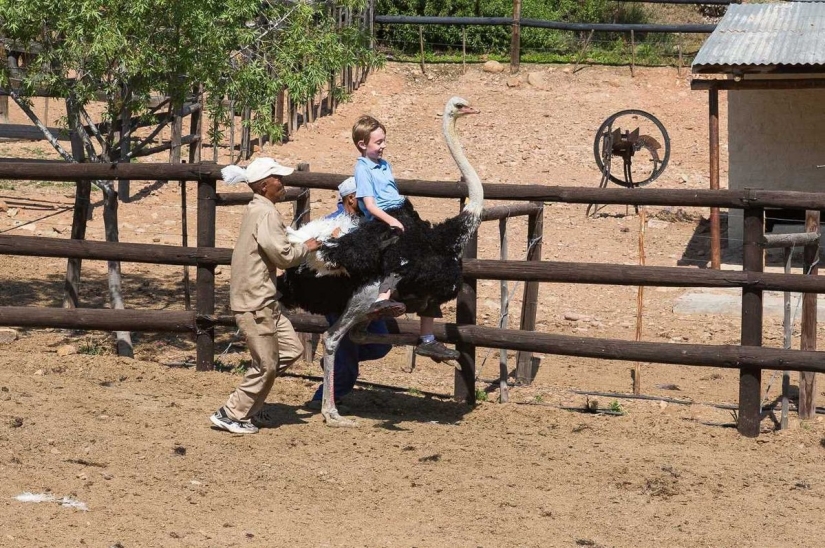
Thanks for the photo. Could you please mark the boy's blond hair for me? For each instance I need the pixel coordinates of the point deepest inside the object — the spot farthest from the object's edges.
(363, 128)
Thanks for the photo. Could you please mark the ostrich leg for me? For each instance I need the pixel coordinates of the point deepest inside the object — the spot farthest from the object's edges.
(355, 313)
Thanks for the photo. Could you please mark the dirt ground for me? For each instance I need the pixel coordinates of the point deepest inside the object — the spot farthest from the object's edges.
(131, 438)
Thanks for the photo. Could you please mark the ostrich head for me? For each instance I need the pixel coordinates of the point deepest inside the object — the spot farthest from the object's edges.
(457, 107)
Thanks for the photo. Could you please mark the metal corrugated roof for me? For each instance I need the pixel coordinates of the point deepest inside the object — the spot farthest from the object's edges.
(766, 37)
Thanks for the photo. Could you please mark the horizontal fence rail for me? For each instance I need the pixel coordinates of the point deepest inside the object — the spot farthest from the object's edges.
(526, 271)
(725, 356)
(542, 24)
(737, 199)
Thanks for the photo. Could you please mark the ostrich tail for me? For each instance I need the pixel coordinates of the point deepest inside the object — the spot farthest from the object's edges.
(232, 174)
(322, 229)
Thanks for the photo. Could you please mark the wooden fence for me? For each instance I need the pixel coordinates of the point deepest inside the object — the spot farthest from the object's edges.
(749, 358)
(516, 22)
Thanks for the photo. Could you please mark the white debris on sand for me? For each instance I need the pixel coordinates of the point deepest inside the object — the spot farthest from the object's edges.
(67, 502)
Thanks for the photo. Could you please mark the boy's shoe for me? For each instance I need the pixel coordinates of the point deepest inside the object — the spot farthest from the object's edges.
(385, 309)
(436, 351)
(222, 421)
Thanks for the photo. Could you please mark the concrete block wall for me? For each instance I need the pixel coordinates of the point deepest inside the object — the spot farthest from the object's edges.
(776, 138)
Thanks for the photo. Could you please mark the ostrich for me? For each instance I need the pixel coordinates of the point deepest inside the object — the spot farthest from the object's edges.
(343, 276)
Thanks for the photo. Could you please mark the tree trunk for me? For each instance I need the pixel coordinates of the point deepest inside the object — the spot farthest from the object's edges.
(124, 338)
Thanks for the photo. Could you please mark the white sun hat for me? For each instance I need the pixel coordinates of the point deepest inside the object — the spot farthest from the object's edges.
(259, 168)
(347, 187)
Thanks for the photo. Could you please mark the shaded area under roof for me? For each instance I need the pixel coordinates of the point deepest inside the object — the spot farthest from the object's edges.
(766, 38)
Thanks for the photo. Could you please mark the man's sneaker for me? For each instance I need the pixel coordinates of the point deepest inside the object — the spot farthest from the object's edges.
(385, 309)
(222, 421)
(435, 350)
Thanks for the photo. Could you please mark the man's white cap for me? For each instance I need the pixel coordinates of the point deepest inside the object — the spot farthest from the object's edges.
(259, 168)
(347, 187)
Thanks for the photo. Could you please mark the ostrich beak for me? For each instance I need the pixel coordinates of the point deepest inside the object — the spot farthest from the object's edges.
(469, 110)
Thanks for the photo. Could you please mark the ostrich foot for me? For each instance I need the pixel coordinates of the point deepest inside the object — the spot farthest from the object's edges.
(333, 419)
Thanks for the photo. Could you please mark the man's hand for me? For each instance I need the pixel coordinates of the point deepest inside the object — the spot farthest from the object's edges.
(336, 232)
(312, 244)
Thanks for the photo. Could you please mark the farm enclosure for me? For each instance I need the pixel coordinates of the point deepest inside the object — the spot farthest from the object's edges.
(530, 475)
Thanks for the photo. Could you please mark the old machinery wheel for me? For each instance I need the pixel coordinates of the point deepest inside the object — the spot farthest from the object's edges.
(631, 157)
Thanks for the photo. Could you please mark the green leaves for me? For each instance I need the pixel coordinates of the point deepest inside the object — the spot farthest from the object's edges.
(246, 50)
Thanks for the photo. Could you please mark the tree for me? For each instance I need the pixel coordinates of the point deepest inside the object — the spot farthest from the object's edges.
(124, 51)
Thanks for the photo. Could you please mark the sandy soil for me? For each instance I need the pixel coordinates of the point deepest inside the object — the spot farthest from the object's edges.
(131, 439)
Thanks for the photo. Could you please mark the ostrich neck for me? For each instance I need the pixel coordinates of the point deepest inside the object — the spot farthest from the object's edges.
(475, 203)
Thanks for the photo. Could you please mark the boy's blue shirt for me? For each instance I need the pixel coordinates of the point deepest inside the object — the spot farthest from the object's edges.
(376, 180)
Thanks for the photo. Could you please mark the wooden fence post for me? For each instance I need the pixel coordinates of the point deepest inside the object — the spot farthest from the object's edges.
(713, 136)
(184, 233)
(421, 47)
(503, 373)
(125, 142)
(300, 217)
(196, 127)
(82, 208)
(529, 307)
(515, 39)
(177, 131)
(246, 134)
(205, 290)
(465, 314)
(750, 378)
(807, 380)
(232, 132)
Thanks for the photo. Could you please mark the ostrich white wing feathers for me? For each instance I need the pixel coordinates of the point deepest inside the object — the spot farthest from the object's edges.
(232, 174)
(322, 230)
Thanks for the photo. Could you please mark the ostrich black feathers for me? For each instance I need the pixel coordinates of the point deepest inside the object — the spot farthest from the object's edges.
(301, 288)
(425, 257)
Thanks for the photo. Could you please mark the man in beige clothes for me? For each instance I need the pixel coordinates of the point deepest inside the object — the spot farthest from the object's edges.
(262, 247)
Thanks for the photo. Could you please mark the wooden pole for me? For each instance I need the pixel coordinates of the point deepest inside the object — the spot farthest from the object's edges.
(681, 62)
(637, 370)
(231, 131)
(123, 190)
(184, 232)
(529, 306)
(300, 217)
(750, 378)
(713, 124)
(421, 46)
(246, 134)
(71, 285)
(807, 381)
(465, 314)
(464, 49)
(632, 53)
(583, 50)
(279, 112)
(787, 335)
(504, 393)
(196, 127)
(515, 38)
(176, 110)
(205, 290)
(82, 209)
